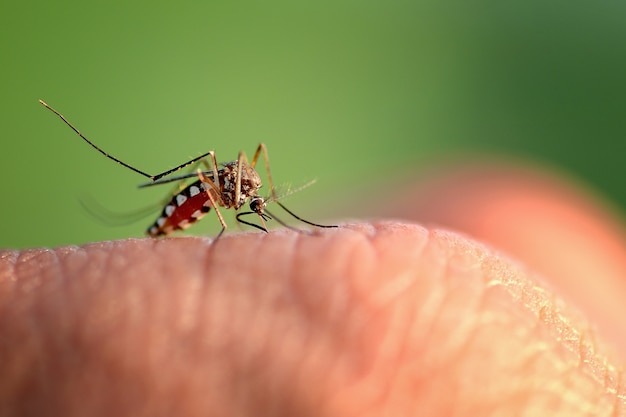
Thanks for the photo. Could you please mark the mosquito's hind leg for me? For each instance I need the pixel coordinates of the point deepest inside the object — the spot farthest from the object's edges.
(119, 161)
(201, 158)
(181, 185)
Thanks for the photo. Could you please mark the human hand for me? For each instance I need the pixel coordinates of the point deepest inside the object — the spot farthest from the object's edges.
(370, 319)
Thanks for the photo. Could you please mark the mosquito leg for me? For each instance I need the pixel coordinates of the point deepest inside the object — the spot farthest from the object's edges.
(241, 160)
(215, 183)
(103, 152)
(216, 177)
(183, 165)
(256, 154)
(214, 201)
(93, 145)
(263, 149)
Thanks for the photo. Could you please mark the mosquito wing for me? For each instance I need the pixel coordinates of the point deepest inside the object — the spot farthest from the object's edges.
(114, 218)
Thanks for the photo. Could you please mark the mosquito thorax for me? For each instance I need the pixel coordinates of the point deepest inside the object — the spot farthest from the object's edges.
(250, 183)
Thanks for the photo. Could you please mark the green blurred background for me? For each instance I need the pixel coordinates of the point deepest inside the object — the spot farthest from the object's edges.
(339, 90)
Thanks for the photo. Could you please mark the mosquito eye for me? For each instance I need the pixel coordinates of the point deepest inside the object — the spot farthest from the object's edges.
(257, 205)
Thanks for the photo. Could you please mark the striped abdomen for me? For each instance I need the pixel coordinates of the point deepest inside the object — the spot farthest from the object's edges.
(185, 208)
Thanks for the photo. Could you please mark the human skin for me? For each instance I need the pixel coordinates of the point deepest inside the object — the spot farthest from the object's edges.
(557, 227)
(370, 319)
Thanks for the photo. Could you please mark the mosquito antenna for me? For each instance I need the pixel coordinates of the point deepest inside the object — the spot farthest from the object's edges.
(113, 218)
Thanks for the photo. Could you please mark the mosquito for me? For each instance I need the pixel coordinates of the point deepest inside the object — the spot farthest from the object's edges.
(229, 185)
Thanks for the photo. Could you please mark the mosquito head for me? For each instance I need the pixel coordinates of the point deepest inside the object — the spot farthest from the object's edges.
(257, 205)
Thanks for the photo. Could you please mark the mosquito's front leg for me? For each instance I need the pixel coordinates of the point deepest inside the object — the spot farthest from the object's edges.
(241, 160)
(216, 177)
(259, 149)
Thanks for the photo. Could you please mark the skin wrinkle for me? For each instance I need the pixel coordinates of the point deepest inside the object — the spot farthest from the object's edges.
(562, 328)
(110, 315)
(258, 252)
(620, 398)
(587, 346)
(61, 356)
(383, 313)
(335, 325)
(443, 293)
(462, 332)
(420, 318)
(531, 359)
(323, 341)
(352, 329)
(459, 337)
(186, 292)
(245, 316)
(190, 304)
(254, 363)
(208, 335)
(22, 363)
(26, 265)
(211, 338)
(52, 290)
(488, 259)
(291, 298)
(310, 345)
(557, 323)
(151, 304)
(423, 322)
(187, 277)
(401, 322)
(8, 261)
(419, 324)
(519, 355)
(395, 285)
(155, 306)
(508, 204)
